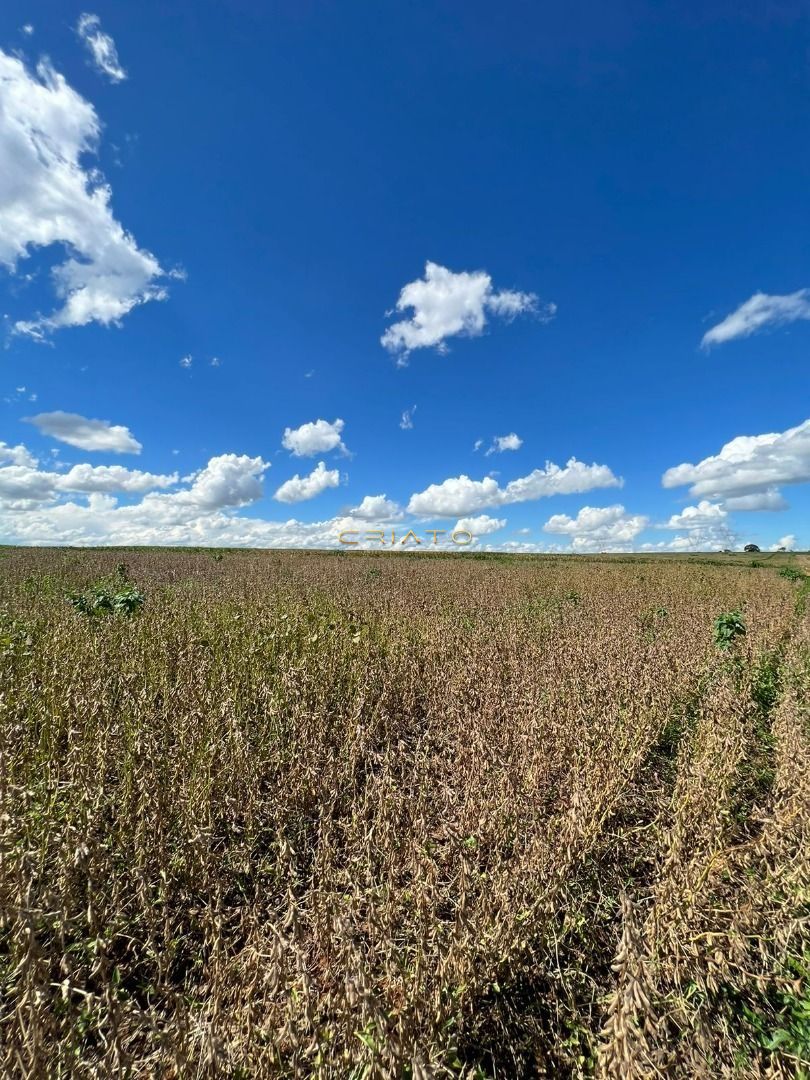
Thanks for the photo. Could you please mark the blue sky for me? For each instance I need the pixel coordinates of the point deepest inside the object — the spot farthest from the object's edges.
(594, 219)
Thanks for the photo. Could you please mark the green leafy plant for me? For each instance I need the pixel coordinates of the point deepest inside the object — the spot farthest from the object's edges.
(782, 1022)
(727, 628)
(792, 573)
(110, 597)
(15, 636)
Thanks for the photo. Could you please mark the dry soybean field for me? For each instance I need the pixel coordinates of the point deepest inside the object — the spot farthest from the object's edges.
(292, 814)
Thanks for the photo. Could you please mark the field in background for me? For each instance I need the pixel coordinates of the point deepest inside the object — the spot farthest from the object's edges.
(372, 815)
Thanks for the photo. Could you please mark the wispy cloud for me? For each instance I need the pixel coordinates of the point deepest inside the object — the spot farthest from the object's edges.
(760, 311)
(21, 393)
(101, 48)
(79, 431)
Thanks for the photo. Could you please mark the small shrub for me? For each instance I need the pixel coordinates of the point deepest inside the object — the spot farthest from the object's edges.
(108, 598)
(727, 628)
(792, 573)
(15, 637)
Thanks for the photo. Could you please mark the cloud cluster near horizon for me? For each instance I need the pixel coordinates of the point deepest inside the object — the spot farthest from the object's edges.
(460, 495)
(40, 504)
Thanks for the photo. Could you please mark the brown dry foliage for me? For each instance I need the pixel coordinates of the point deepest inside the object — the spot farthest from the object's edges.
(368, 816)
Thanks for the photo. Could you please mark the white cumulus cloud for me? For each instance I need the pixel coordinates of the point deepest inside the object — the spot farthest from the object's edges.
(227, 480)
(377, 508)
(704, 527)
(24, 485)
(747, 466)
(299, 488)
(16, 455)
(504, 442)
(107, 478)
(456, 495)
(459, 496)
(756, 313)
(480, 525)
(706, 538)
(101, 47)
(788, 543)
(599, 528)
(79, 431)
(37, 509)
(770, 499)
(318, 437)
(48, 197)
(447, 304)
(694, 517)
